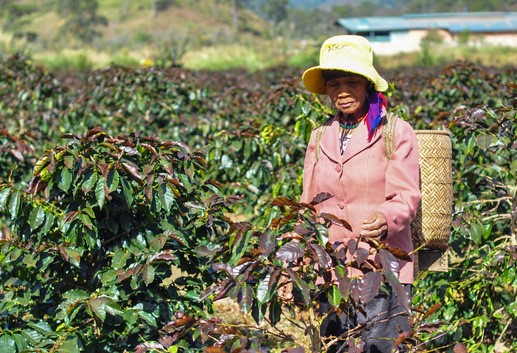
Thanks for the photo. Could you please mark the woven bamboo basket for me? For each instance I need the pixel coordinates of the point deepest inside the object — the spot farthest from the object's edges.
(432, 225)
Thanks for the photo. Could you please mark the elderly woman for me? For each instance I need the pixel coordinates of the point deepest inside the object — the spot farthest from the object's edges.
(346, 157)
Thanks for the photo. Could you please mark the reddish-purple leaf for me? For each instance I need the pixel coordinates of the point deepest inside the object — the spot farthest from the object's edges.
(301, 285)
(245, 298)
(283, 201)
(323, 258)
(300, 229)
(402, 337)
(291, 251)
(355, 345)
(344, 283)
(183, 320)
(165, 255)
(354, 289)
(361, 256)
(274, 279)
(369, 286)
(336, 220)
(400, 292)
(352, 246)
(322, 196)
(389, 262)
(70, 216)
(432, 310)
(401, 254)
(267, 243)
(460, 348)
(219, 266)
(132, 170)
(62, 251)
(240, 227)
(225, 287)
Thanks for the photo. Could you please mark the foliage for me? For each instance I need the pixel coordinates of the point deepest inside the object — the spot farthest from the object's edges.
(294, 253)
(275, 10)
(478, 293)
(107, 245)
(81, 19)
(252, 129)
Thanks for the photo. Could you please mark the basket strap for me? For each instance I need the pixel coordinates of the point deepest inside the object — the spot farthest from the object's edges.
(388, 133)
(319, 133)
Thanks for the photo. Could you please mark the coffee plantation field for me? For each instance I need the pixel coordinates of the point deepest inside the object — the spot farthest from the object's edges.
(132, 200)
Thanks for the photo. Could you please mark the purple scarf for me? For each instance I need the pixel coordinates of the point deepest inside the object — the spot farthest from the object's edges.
(377, 100)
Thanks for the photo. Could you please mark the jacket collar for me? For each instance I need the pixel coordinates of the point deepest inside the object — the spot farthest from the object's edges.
(359, 141)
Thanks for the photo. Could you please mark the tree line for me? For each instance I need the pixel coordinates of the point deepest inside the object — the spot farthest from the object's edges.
(295, 18)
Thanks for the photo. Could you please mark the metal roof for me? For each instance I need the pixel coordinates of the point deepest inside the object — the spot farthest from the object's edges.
(453, 22)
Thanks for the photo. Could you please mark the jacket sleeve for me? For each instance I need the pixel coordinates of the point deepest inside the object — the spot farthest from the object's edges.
(402, 180)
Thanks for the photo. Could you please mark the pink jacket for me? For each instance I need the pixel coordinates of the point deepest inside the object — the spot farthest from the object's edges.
(364, 180)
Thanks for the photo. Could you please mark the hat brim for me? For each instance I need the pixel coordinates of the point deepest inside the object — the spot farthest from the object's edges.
(313, 77)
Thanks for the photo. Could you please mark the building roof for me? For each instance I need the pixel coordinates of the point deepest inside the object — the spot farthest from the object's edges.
(452, 22)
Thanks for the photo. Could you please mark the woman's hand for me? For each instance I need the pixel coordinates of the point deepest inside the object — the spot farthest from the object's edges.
(375, 226)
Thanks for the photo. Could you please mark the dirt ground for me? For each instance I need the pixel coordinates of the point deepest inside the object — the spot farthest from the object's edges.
(270, 337)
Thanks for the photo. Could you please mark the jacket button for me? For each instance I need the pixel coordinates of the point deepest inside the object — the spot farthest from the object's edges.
(338, 168)
(341, 205)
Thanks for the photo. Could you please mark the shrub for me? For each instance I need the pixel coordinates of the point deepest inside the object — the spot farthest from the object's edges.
(108, 245)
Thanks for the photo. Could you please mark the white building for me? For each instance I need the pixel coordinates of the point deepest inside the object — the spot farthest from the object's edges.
(391, 35)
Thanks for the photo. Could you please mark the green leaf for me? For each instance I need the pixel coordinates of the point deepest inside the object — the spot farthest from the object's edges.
(185, 181)
(36, 217)
(14, 203)
(240, 245)
(4, 194)
(246, 298)
(41, 326)
(74, 256)
(120, 258)
(76, 294)
(148, 318)
(108, 277)
(21, 342)
(262, 289)
(89, 181)
(112, 181)
(477, 232)
(64, 179)
(33, 337)
(275, 312)
(100, 191)
(168, 197)
(98, 309)
(148, 274)
(130, 317)
(301, 285)
(72, 345)
(49, 223)
(334, 296)
(7, 344)
(86, 221)
(127, 190)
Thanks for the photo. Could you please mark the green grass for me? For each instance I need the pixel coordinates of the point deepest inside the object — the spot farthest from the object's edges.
(231, 56)
(198, 34)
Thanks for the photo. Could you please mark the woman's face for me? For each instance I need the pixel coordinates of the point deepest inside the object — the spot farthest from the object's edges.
(348, 92)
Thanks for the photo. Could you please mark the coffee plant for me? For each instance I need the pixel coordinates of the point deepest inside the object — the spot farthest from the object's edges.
(107, 245)
(117, 236)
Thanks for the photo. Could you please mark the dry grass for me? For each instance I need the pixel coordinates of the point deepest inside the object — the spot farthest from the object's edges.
(231, 314)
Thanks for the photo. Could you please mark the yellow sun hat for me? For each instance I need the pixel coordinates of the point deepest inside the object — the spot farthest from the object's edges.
(348, 53)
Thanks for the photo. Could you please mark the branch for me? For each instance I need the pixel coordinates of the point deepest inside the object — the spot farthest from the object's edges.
(497, 217)
(499, 200)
